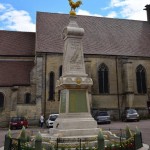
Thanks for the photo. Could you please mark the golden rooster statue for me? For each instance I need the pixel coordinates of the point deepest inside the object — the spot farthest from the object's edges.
(74, 5)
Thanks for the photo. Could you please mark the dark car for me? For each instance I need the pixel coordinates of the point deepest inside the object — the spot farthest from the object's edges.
(103, 117)
(130, 115)
(18, 122)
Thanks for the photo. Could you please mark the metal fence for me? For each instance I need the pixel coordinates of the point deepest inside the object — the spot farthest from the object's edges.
(15, 144)
(80, 143)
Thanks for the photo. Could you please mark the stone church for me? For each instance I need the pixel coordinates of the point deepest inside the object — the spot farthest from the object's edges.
(116, 54)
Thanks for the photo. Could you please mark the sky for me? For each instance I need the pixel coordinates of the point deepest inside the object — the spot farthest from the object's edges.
(20, 15)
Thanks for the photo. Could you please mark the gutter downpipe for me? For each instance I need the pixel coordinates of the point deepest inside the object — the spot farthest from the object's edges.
(45, 85)
(117, 86)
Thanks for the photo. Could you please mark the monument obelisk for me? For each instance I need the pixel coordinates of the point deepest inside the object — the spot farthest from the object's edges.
(75, 118)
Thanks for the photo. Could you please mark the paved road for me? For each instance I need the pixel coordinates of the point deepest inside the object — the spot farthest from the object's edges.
(143, 125)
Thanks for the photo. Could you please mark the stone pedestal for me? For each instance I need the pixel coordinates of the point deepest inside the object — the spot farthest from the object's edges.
(75, 118)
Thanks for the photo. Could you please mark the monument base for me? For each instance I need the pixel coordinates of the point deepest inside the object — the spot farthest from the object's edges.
(74, 125)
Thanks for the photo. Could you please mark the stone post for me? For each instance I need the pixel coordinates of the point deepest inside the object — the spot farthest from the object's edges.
(138, 139)
(100, 141)
(38, 141)
(128, 132)
(23, 136)
(7, 141)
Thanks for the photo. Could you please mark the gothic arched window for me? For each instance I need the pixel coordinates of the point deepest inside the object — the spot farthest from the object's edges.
(27, 98)
(60, 74)
(1, 100)
(51, 85)
(141, 79)
(60, 71)
(103, 79)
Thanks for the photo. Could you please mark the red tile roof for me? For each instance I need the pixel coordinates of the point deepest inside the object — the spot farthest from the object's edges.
(15, 72)
(17, 43)
(104, 36)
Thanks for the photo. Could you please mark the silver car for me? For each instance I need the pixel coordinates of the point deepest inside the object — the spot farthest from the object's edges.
(103, 117)
(130, 115)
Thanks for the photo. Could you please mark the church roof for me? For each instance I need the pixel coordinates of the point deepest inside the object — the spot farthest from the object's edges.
(17, 43)
(105, 36)
(15, 72)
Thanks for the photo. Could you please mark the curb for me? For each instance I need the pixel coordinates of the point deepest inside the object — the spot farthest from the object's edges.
(2, 148)
(145, 147)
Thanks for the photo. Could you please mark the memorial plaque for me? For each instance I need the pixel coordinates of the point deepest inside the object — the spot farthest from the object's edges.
(63, 101)
(77, 101)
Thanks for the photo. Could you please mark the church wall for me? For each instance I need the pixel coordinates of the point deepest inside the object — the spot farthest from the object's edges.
(7, 93)
(5, 111)
(146, 64)
(22, 92)
(103, 100)
(39, 61)
(116, 95)
(140, 100)
(53, 64)
(28, 111)
(110, 62)
(14, 101)
(13, 96)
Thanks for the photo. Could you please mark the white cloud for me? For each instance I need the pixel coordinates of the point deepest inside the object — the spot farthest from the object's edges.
(18, 20)
(116, 3)
(1, 7)
(112, 14)
(131, 9)
(128, 9)
(86, 13)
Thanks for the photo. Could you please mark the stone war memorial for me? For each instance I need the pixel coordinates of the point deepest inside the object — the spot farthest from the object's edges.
(75, 118)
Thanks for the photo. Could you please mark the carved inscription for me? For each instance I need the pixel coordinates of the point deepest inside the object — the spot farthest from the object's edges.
(73, 57)
(76, 60)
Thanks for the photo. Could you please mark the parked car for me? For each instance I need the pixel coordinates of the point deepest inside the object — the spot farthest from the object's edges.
(18, 122)
(130, 115)
(103, 117)
(51, 119)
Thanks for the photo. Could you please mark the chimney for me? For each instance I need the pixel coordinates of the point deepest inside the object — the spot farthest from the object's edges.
(147, 8)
